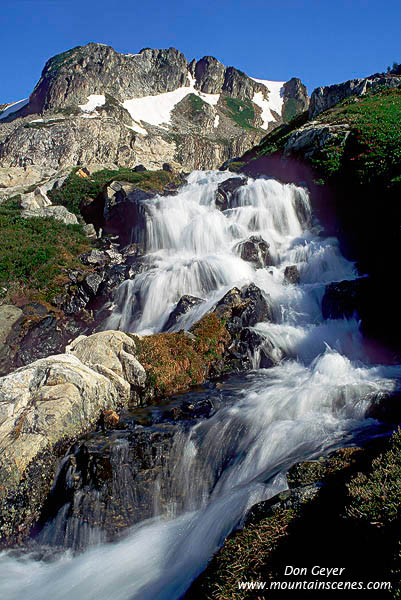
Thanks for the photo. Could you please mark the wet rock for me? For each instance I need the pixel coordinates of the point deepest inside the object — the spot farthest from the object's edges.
(92, 283)
(255, 351)
(184, 305)
(94, 258)
(291, 274)
(245, 307)
(226, 190)
(42, 407)
(255, 250)
(106, 484)
(125, 212)
(346, 298)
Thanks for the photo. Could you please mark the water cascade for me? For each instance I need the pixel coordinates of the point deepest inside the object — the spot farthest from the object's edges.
(314, 400)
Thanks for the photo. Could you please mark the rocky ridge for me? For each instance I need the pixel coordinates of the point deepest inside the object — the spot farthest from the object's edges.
(93, 105)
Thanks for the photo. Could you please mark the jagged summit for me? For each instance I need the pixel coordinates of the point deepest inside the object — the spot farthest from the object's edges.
(95, 105)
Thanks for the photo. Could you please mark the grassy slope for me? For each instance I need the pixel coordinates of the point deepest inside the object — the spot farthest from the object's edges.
(34, 254)
(370, 153)
(354, 522)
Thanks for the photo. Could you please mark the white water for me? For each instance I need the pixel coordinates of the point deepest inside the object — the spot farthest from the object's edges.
(310, 403)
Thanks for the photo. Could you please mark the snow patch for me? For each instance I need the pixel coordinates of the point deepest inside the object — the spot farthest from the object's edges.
(13, 108)
(216, 121)
(137, 128)
(156, 110)
(275, 101)
(94, 101)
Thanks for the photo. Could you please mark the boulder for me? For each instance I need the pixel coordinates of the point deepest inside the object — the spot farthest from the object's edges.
(125, 212)
(344, 299)
(245, 307)
(226, 190)
(43, 407)
(291, 274)
(9, 317)
(256, 251)
(184, 305)
(113, 350)
(60, 213)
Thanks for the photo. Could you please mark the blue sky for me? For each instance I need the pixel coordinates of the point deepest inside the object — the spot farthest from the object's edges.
(320, 41)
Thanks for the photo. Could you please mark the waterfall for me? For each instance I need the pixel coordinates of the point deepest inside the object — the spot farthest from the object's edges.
(313, 401)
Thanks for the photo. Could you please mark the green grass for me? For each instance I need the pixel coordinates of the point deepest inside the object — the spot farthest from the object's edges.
(241, 111)
(34, 253)
(371, 153)
(354, 513)
(77, 188)
(197, 104)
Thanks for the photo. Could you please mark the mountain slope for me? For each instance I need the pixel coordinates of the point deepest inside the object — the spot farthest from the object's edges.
(94, 105)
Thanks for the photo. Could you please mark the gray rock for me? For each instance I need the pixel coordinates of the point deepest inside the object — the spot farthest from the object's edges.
(292, 275)
(323, 98)
(256, 251)
(60, 213)
(64, 136)
(89, 231)
(184, 305)
(9, 315)
(226, 190)
(113, 350)
(295, 99)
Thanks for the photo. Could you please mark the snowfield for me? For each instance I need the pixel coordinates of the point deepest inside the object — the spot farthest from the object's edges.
(275, 101)
(13, 108)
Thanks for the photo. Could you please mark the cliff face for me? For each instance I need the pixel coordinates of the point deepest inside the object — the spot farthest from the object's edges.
(323, 98)
(94, 105)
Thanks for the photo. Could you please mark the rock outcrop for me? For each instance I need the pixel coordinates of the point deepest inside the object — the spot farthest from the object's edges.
(323, 98)
(48, 404)
(95, 105)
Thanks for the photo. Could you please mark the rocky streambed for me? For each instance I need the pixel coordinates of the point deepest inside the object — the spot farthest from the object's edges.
(243, 282)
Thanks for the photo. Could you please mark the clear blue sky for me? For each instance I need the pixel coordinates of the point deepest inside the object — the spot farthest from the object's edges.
(320, 41)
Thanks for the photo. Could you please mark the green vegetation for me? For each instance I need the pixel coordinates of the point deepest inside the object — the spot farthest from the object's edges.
(290, 109)
(35, 252)
(236, 166)
(63, 60)
(367, 146)
(357, 512)
(373, 149)
(197, 104)
(69, 111)
(175, 361)
(241, 111)
(77, 188)
(375, 498)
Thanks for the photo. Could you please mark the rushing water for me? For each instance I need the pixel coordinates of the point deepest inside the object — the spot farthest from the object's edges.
(314, 400)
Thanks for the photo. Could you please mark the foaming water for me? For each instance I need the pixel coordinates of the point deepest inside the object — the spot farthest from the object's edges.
(313, 401)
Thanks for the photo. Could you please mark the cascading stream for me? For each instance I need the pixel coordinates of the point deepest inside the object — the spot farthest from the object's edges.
(313, 401)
